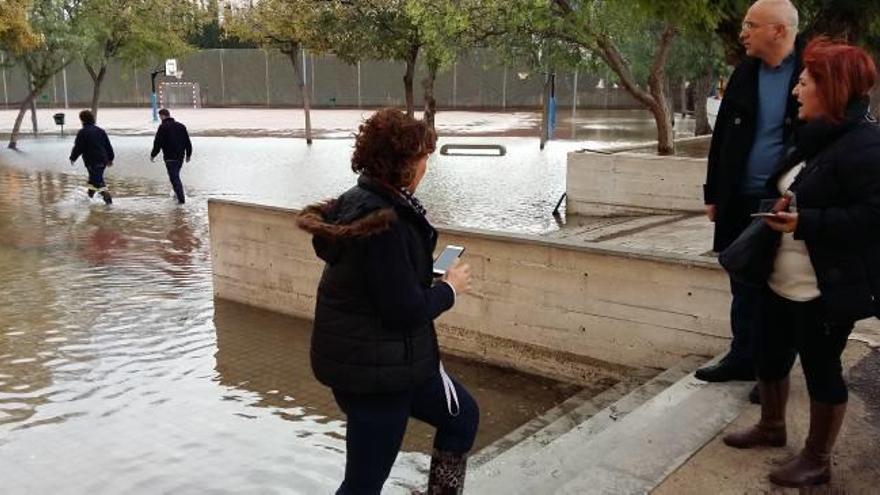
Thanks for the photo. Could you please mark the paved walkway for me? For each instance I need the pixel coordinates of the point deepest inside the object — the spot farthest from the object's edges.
(289, 122)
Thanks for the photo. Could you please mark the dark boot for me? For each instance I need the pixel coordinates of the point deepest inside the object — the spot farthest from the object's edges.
(107, 198)
(770, 430)
(726, 370)
(90, 192)
(755, 395)
(447, 473)
(813, 465)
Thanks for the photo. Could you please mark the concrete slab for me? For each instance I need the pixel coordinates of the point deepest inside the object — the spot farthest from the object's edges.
(629, 455)
(717, 468)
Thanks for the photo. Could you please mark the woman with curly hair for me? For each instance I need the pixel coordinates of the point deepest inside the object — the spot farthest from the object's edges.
(826, 271)
(374, 342)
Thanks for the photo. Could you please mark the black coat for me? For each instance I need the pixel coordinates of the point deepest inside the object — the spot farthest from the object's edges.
(838, 204)
(173, 139)
(376, 304)
(93, 144)
(732, 139)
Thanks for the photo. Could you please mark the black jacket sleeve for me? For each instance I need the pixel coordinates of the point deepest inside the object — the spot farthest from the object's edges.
(105, 141)
(77, 150)
(187, 144)
(713, 162)
(401, 301)
(158, 141)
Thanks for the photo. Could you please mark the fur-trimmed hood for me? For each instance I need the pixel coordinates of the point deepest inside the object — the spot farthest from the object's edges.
(335, 224)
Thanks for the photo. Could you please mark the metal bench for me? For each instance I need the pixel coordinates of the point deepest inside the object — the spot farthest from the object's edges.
(446, 148)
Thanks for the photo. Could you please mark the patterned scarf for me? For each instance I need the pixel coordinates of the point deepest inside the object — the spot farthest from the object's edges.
(413, 201)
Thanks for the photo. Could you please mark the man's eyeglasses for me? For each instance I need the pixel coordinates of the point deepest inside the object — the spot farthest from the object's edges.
(750, 25)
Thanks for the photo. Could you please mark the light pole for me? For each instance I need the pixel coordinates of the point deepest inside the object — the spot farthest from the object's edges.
(154, 102)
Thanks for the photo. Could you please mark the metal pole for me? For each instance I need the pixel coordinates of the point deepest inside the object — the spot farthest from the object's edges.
(266, 53)
(64, 83)
(312, 57)
(305, 72)
(504, 89)
(137, 89)
(574, 104)
(54, 90)
(5, 89)
(222, 81)
(454, 84)
(359, 83)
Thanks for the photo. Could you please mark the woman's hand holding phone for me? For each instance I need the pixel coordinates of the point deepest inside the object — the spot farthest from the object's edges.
(459, 276)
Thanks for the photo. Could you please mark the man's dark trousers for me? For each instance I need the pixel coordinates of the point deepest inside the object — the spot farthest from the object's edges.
(173, 167)
(746, 305)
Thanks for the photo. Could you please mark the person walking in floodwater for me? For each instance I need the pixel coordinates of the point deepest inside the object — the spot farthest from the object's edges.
(374, 342)
(94, 146)
(173, 139)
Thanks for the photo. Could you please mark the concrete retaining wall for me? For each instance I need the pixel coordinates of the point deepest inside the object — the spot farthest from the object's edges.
(548, 307)
(623, 183)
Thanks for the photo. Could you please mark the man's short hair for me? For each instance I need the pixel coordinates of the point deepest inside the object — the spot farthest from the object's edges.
(87, 117)
(164, 112)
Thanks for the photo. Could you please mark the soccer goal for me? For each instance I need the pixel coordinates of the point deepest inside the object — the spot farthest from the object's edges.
(179, 94)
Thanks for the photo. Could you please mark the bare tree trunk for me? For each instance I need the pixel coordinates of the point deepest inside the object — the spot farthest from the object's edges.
(22, 109)
(408, 80)
(655, 98)
(97, 80)
(702, 87)
(293, 54)
(34, 116)
(430, 102)
(657, 82)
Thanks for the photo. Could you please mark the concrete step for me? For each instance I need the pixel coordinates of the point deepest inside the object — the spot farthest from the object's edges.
(629, 447)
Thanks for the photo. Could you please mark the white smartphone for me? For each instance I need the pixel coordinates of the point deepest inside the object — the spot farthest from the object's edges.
(446, 259)
(763, 214)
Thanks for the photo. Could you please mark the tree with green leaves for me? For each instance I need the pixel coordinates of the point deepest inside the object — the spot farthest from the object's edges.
(289, 26)
(54, 23)
(378, 30)
(448, 27)
(16, 36)
(603, 28)
(135, 32)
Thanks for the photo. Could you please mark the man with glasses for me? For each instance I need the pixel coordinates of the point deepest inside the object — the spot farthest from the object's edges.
(753, 128)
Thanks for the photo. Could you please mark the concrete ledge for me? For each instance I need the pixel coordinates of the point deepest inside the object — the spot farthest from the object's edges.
(554, 307)
(613, 454)
(625, 183)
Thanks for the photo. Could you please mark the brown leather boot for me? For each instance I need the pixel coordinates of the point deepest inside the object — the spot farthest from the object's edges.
(447, 473)
(813, 465)
(770, 430)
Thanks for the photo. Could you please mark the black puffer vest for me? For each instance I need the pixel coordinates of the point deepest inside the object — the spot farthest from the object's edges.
(355, 347)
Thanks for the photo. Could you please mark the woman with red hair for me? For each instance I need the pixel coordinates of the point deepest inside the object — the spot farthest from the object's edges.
(826, 271)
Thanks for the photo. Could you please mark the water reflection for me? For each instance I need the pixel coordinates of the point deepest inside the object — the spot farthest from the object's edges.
(119, 374)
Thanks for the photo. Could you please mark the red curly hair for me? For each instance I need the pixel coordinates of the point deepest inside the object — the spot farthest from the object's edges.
(842, 73)
(388, 145)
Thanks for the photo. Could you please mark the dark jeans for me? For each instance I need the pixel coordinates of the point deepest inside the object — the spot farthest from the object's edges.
(96, 177)
(173, 167)
(792, 328)
(376, 424)
(746, 303)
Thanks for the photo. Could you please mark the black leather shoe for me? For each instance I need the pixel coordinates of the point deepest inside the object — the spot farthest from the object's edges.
(755, 395)
(725, 371)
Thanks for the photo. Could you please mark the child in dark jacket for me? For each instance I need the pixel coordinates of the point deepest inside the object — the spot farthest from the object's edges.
(94, 146)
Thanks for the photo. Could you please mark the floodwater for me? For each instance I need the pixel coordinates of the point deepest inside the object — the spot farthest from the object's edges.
(119, 373)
